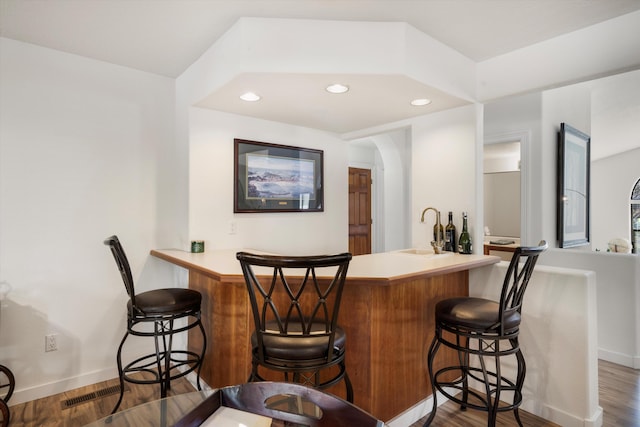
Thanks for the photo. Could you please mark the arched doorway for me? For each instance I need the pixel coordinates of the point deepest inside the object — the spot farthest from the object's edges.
(388, 157)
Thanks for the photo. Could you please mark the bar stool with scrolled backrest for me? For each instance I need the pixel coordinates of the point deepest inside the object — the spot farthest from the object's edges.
(295, 301)
(169, 311)
(493, 327)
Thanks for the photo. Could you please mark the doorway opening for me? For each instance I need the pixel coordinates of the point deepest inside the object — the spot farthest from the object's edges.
(388, 157)
(502, 190)
(506, 176)
(359, 211)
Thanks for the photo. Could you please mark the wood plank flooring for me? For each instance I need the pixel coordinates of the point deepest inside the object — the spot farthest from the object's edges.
(450, 415)
(619, 392)
(49, 411)
(619, 398)
(619, 395)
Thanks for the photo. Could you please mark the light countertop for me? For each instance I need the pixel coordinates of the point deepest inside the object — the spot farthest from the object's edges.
(385, 268)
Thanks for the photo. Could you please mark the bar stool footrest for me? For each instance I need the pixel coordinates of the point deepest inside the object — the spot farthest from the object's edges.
(444, 387)
(148, 364)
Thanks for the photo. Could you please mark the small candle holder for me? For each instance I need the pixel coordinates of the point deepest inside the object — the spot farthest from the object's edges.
(197, 246)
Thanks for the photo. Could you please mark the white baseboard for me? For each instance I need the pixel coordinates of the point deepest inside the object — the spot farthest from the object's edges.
(619, 358)
(44, 390)
(417, 411)
(422, 408)
(412, 414)
(49, 389)
(193, 380)
(565, 419)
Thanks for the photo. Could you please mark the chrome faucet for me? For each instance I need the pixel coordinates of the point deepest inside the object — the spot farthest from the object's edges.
(438, 244)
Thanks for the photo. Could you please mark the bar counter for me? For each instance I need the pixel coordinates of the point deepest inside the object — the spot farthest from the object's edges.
(387, 313)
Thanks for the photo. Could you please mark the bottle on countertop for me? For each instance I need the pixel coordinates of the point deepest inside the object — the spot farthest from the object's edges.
(435, 232)
(464, 243)
(436, 229)
(450, 235)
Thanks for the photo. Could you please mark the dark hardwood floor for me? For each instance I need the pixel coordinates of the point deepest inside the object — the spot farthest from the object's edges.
(619, 392)
(53, 411)
(450, 415)
(619, 397)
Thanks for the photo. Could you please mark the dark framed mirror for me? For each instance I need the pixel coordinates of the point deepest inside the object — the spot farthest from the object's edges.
(573, 187)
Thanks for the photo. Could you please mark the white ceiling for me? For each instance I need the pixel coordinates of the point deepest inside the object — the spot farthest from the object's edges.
(166, 36)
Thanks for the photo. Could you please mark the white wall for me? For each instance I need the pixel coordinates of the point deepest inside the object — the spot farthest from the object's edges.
(608, 110)
(603, 109)
(395, 149)
(388, 155)
(520, 117)
(571, 105)
(85, 152)
(211, 188)
(615, 117)
(618, 282)
(539, 115)
(612, 180)
(615, 114)
(502, 203)
(444, 173)
(607, 48)
(558, 337)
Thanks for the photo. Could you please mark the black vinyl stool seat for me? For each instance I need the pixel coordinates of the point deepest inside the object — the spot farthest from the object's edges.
(295, 309)
(159, 313)
(493, 328)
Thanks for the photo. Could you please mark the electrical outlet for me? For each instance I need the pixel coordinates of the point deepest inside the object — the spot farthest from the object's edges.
(233, 227)
(50, 342)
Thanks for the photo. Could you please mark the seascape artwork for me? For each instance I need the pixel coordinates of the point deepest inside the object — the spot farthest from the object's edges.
(283, 178)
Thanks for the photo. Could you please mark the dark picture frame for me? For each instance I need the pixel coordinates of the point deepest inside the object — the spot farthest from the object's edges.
(574, 157)
(277, 178)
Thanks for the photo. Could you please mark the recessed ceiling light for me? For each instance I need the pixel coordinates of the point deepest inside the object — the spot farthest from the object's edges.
(250, 96)
(337, 88)
(420, 102)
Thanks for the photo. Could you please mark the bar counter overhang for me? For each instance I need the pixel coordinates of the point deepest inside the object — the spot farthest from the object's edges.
(387, 313)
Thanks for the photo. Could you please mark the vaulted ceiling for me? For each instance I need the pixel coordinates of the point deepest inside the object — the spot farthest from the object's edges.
(165, 37)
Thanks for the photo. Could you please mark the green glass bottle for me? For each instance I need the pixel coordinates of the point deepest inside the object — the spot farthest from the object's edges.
(464, 243)
(450, 235)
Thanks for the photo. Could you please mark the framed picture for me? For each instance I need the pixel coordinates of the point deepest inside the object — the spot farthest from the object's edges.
(573, 187)
(277, 178)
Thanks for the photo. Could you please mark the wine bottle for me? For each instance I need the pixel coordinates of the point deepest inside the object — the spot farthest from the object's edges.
(435, 232)
(464, 244)
(450, 235)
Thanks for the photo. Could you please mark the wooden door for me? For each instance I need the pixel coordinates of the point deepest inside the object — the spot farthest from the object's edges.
(359, 211)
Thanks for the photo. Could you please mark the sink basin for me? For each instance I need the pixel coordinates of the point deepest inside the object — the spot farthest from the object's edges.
(415, 251)
(423, 252)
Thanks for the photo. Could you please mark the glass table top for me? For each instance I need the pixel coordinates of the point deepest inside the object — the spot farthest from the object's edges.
(158, 413)
(269, 404)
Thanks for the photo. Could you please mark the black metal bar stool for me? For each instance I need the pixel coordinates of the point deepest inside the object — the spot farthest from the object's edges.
(295, 303)
(7, 385)
(489, 330)
(160, 313)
